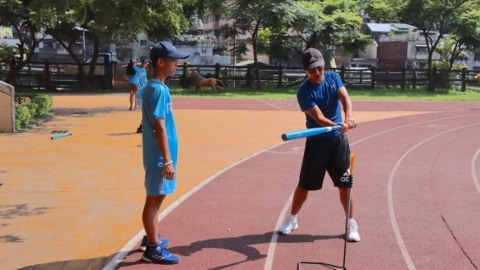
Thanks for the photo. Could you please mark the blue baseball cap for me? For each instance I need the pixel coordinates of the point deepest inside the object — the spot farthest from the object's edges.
(145, 61)
(166, 49)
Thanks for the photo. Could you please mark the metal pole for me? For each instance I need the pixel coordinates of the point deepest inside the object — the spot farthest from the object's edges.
(234, 60)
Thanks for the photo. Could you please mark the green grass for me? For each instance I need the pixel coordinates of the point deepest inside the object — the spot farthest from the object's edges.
(378, 94)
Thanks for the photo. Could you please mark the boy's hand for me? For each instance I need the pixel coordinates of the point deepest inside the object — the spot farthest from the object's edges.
(351, 122)
(168, 171)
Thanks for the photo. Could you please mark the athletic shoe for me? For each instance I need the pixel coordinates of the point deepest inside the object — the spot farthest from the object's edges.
(130, 108)
(159, 255)
(139, 130)
(289, 225)
(163, 241)
(352, 231)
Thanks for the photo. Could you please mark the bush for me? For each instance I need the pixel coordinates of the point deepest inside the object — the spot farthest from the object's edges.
(32, 108)
(29, 106)
(22, 115)
(44, 103)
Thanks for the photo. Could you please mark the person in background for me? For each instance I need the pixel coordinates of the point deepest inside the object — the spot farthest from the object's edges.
(132, 75)
(143, 82)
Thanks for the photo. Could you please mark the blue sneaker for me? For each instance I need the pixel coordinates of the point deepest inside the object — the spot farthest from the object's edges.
(163, 241)
(159, 255)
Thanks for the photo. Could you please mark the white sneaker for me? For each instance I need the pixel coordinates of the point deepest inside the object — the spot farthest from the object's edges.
(289, 225)
(352, 231)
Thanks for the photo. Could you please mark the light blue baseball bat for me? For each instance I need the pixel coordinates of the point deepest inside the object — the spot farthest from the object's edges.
(307, 132)
(61, 135)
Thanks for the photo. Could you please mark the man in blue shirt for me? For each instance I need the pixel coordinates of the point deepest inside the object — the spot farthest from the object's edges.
(319, 98)
(160, 148)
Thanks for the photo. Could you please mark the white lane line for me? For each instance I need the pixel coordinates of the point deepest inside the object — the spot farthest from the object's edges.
(287, 204)
(393, 220)
(270, 104)
(474, 172)
(271, 248)
(117, 259)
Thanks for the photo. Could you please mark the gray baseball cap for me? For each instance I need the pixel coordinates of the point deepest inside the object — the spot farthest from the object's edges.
(312, 58)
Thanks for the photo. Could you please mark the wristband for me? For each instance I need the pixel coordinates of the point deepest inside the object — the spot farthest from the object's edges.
(168, 163)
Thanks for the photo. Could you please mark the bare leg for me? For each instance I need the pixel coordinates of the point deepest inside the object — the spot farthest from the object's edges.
(132, 93)
(299, 197)
(344, 200)
(150, 214)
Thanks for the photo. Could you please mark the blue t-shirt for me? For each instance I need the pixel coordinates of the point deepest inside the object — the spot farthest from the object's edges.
(142, 75)
(157, 103)
(325, 96)
(134, 79)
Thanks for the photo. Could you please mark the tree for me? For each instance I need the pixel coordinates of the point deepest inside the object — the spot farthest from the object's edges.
(17, 14)
(433, 18)
(253, 15)
(321, 24)
(105, 20)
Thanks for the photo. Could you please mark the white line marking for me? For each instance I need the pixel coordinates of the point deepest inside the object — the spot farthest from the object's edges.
(474, 173)
(391, 209)
(273, 241)
(269, 104)
(112, 264)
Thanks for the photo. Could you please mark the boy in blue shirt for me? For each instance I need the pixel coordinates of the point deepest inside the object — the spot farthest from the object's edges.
(160, 148)
(319, 98)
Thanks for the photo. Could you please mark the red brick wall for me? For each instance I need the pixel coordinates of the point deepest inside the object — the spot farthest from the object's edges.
(392, 55)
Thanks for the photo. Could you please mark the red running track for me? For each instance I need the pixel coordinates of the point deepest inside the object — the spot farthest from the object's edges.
(417, 204)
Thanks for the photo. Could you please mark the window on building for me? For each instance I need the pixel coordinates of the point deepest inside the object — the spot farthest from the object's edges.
(476, 57)
(243, 32)
(48, 45)
(143, 42)
(217, 17)
(421, 49)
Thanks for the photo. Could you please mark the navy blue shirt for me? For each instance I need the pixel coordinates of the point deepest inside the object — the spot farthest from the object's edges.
(325, 96)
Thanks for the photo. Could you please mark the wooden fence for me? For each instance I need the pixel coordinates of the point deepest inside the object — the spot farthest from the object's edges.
(50, 75)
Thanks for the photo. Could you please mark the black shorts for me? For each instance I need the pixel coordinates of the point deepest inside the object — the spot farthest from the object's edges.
(325, 155)
(133, 87)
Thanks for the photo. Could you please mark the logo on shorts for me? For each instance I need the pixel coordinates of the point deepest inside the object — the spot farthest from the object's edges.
(346, 176)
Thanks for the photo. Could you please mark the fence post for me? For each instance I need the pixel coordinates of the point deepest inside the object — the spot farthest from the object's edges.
(217, 71)
(47, 74)
(342, 73)
(415, 76)
(464, 81)
(404, 77)
(361, 76)
(184, 70)
(114, 72)
(249, 79)
(372, 82)
(387, 79)
(280, 72)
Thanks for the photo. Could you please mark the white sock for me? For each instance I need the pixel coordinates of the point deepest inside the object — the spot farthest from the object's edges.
(350, 220)
(294, 216)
